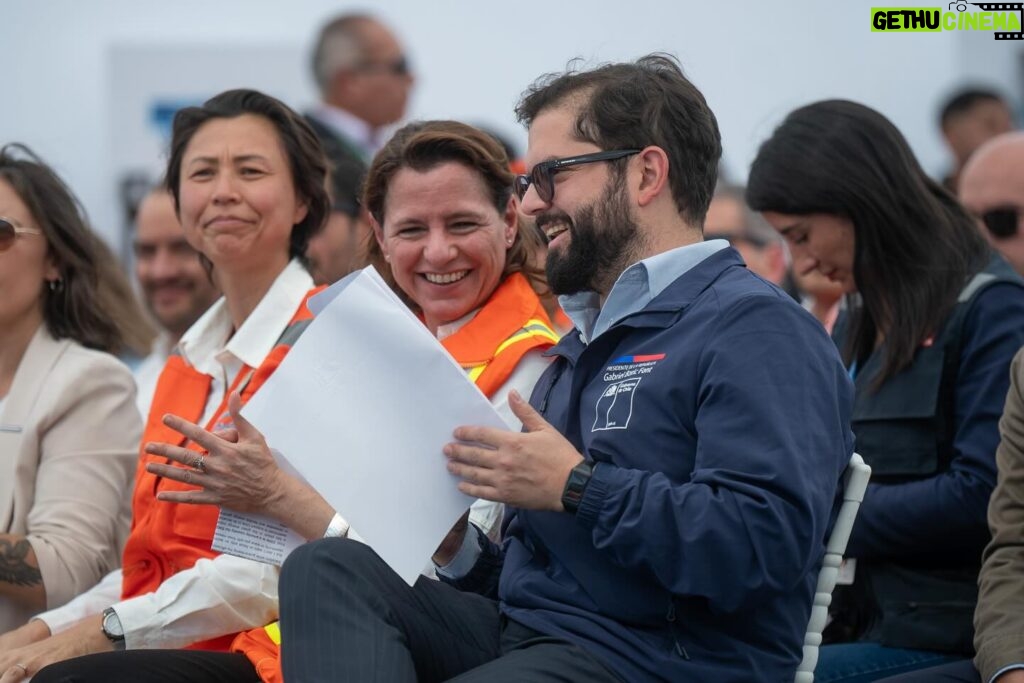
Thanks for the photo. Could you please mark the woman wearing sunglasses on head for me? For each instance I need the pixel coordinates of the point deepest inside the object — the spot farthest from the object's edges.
(69, 428)
(934, 320)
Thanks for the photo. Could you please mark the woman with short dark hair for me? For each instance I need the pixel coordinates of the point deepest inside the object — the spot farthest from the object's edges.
(247, 176)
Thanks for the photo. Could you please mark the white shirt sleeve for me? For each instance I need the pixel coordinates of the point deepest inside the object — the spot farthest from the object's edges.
(215, 597)
(88, 604)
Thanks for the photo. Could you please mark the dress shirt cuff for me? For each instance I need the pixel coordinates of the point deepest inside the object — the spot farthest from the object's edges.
(88, 604)
(999, 654)
(338, 528)
(1004, 670)
(466, 557)
(215, 597)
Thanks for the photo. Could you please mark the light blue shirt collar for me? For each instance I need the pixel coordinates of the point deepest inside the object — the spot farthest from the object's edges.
(636, 287)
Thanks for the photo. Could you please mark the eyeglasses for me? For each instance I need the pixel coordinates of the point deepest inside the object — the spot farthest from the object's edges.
(542, 177)
(1002, 222)
(397, 67)
(9, 232)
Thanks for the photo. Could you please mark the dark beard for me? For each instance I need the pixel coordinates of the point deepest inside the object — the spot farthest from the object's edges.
(602, 241)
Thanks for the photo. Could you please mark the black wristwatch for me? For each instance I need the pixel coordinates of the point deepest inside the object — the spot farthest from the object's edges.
(575, 485)
(112, 629)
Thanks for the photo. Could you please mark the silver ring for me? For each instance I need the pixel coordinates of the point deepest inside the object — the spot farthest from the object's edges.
(200, 463)
(22, 667)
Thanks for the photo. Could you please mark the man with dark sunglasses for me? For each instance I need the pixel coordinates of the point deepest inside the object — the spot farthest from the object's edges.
(364, 80)
(992, 189)
(668, 499)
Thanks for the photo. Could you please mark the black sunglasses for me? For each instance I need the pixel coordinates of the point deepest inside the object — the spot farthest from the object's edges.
(9, 232)
(542, 177)
(397, 67)
(1002, 222)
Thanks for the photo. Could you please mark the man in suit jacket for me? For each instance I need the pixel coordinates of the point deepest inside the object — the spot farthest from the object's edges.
(364, 81)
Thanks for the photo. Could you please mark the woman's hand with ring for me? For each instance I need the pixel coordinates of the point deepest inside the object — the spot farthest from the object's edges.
(238, 472)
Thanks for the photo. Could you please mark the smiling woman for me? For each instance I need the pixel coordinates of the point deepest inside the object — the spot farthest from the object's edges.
(440, 194)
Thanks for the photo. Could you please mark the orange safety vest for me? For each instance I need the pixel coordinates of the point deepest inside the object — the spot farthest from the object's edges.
(167, 537)
(488, 347)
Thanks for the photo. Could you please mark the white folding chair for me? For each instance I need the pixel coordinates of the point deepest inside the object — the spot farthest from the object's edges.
(855, 482)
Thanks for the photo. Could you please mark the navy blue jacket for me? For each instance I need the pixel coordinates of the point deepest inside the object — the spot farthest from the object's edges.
(718, 418)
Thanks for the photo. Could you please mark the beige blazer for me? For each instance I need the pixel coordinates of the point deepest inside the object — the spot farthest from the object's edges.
(69, 440)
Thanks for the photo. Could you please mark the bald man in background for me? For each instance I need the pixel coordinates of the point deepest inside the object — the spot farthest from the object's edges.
(992, 189)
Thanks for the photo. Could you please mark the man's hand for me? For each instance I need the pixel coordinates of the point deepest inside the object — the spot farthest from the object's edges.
(1014, 676)
(527, 470)
(22, 663)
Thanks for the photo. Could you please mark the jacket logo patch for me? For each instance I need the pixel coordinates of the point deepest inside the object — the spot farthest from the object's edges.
(615, 406)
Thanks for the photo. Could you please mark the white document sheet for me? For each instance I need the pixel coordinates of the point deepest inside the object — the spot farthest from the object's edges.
(361, 407)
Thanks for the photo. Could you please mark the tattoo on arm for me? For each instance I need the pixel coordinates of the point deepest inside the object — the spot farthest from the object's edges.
(14, 566)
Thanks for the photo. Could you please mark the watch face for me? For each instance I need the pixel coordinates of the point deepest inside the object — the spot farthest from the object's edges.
(112, 625)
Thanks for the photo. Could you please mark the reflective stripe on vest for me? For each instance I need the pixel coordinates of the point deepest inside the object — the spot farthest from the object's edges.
(274, 632)
(533, 329)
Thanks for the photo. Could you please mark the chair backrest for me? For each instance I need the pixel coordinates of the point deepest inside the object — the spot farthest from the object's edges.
(855, 482)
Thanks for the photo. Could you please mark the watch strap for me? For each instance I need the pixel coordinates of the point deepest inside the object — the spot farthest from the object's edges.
(576, 485)
(112, 628)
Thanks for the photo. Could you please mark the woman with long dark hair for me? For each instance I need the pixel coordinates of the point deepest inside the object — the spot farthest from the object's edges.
(934, 320)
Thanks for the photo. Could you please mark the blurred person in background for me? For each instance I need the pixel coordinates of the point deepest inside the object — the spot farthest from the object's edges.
(819, 295)
(341, 247)
(992, 190)
(175, 287)
(364, 79)
(69, 428)
(730, 219)
(968, 118)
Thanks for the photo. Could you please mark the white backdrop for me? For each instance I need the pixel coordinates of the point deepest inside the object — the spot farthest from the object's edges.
(69, 93)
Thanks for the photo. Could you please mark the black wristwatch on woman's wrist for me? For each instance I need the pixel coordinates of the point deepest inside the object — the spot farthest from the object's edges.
(575, 485)
(112, 629)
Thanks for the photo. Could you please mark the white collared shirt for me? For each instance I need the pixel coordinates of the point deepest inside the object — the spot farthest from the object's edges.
(226, 593)
(148, 372)
(635, 287)
(210, 348)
